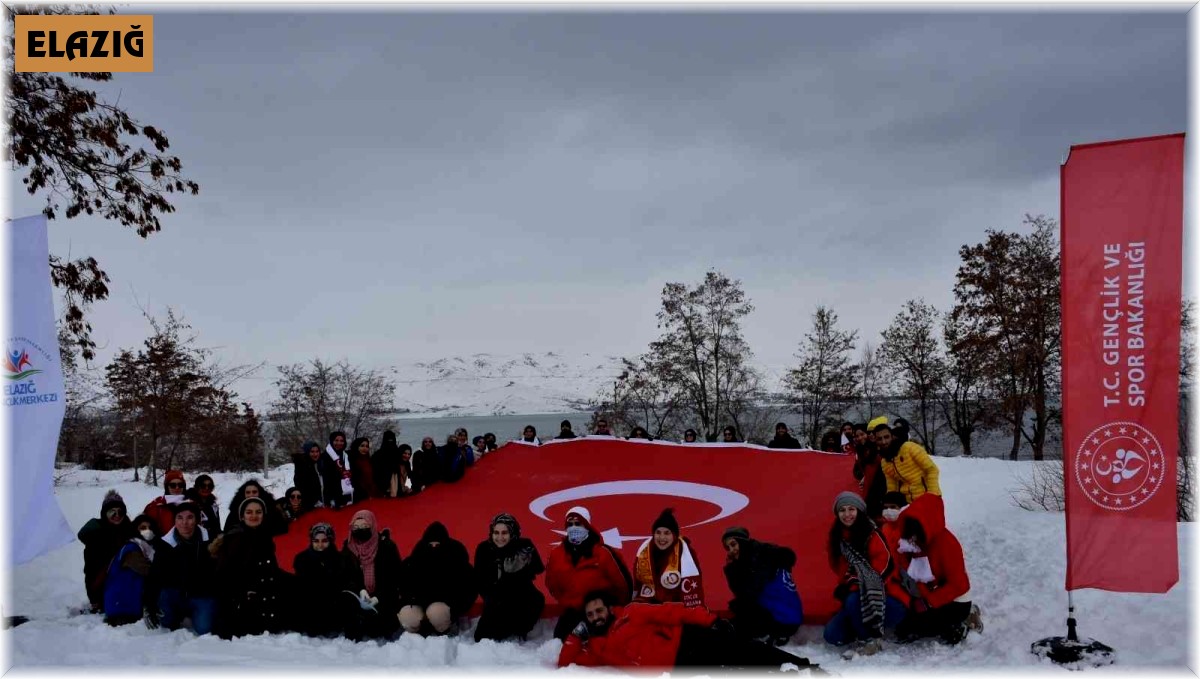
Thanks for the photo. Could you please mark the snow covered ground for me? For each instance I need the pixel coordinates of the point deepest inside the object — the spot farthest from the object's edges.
(1016, 560)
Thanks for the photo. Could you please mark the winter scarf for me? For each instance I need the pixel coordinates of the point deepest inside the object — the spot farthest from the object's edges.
(365, 551)
(872, 599)
(514, 558)
(340, 461)
(680, 564)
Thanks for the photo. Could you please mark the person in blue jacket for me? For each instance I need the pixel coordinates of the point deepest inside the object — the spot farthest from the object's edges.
(765, 605)
(124, 587)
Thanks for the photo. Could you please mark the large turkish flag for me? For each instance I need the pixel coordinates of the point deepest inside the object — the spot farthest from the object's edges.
(784, 497)
(1122, 258)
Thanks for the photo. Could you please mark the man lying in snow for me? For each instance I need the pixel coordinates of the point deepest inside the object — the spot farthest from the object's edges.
(663, 636)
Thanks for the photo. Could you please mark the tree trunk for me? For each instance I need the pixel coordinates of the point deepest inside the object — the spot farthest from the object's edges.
(1016, 446)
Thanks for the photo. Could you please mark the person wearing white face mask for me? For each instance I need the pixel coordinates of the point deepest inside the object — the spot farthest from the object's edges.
(894, 504)
(582, 564)
(124, 587)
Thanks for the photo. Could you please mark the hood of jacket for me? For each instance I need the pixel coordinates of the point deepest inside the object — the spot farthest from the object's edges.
(930, 512)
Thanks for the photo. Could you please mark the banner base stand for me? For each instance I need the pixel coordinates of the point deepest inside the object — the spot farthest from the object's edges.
(1064, 651)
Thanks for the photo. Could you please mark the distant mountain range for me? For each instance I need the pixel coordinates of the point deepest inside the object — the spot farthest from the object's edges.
(490, 384)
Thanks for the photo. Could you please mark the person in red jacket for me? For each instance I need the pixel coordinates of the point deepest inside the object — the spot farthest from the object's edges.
(663, 636)
(936, 574)
(894, 503)
(868, 581)
(582, 563)
(160, 508)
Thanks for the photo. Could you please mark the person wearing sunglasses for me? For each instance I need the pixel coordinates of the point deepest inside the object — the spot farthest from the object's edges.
(201, 493)
(292, 504)
(102, 538)
(160, 508)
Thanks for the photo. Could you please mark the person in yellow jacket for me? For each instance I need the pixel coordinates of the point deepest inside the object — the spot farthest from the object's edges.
(906, 465)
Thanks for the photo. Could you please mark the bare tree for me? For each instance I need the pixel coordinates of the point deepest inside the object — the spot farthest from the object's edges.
(912, 353)
(963, 396)
(644, 395)
(825, 378)
(317, 398)
(870, 376)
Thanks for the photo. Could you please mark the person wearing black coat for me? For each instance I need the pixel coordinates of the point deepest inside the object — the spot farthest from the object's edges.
(252, 590)
(307, 474)
(440, 584)
(273, 522)
(426, 465)
(182, 580)
(390, 469)
(783, 439)
(749, 570)
(102, 538)
(505, 567)
(319, 584)
(455, 457)
(201, 493)
(371, 573)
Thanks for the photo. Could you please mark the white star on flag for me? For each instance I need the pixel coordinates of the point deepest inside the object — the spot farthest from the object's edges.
(1145, 440)
(1095, 440)
(1123, 430)
(1107, 432)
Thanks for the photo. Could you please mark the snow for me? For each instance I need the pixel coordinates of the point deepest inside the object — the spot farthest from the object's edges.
(1016, 560)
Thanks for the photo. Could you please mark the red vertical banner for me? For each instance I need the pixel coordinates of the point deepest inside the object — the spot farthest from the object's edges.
(1122, 279)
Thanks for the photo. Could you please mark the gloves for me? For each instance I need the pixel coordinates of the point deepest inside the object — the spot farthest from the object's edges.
(722, 625)
(150, 616)
(581, 630)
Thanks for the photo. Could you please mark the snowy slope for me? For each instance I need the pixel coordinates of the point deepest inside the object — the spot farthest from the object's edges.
(1016, 561)
(489, 384)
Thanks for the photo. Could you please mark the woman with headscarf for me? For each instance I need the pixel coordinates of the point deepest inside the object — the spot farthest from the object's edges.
(426, 465)
(337, 488)
(307, 474)
(666, 567)
(371, 577)
(274, 521)
(440, 585)
(868, 579)
(102, 538)
(319, 583)
(506, 565)
(291, 505)
(251, 587)
(362, 475)
(124, 588)
(390, 469)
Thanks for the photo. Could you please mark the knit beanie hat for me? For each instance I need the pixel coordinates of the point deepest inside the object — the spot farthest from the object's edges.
(172, 475)
(581, 512)
(666, 520)
(112, 499)
(308, 445)
(321, 528)
(246, 503)
(876, 423)
(509, 520)
(735, 532)
(851, 499)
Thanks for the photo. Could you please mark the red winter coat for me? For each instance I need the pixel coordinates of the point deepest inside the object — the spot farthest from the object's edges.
(163, 515)
(879, 553)
(639, 635)
(943, 549)
(570, 582)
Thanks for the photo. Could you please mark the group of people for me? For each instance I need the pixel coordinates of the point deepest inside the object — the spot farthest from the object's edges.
(899, 569)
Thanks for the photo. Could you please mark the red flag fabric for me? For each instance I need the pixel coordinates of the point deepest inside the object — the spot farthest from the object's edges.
(781, 496)
(1122, 252)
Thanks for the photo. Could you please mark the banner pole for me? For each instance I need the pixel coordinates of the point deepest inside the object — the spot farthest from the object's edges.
(1072, 635)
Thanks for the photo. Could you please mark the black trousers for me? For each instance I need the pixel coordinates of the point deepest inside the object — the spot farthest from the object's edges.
(705, 647)
(753, 621)
(511, 615)
(947, 622)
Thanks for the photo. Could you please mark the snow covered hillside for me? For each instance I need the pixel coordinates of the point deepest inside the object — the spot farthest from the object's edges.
(1016, 561)
(488, 384)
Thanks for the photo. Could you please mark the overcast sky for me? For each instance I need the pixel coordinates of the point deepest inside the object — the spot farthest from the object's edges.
(394, 186)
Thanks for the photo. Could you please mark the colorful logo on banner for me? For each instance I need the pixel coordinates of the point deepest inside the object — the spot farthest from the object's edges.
(1119, 465)
(19, 370)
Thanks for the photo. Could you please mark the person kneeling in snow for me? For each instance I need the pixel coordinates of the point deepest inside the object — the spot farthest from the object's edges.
(439, 582)
(936, 575)
(124, 588)
(765, 605)
(182, 582)
(102, 538)
(580, 564)
(868, 585)
(666, 567)
(370, 574)
(506, 565)
(663, 636)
